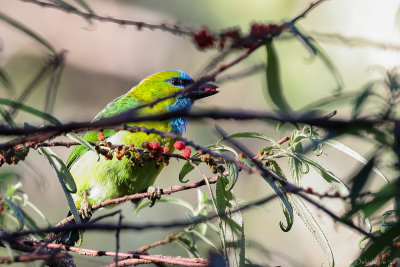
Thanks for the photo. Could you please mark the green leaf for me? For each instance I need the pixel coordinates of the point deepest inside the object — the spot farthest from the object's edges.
(187, 167)
(361, 99)
(233, 175)
(295, 164)
(17, 212)
(30, 110)
(66, 181)
(360, 179)
(166, 199)
(6, 81)
(187, 241)
(248, 135)
(317, 50)
(312, 225)
(27, 31)
(327, 175)
(85, 5)
(204, 238)
(6, 116)
(231, 225)
(286, 206)
(378, 245)
(381, 198)
(274, 88)
(354, 154)
(65, 5)
(83, 142)
(62, 171)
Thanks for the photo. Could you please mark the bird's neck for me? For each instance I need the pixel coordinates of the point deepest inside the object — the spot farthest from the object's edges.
(178, 125)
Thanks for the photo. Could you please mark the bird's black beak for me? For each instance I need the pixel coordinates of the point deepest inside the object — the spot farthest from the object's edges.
(204, 90)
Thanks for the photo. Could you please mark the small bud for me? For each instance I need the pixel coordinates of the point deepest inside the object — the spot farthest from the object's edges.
(166, 149)
(100, 136)
(309, 190)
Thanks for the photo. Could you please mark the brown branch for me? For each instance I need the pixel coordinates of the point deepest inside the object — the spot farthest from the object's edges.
(115, 201)
(99, 253)
(167, 240)
(175, 29)
(28, 257)
(307, 10)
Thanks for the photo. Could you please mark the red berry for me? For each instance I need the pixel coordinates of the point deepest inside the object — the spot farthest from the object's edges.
(186, 152)
(101, 136)
(179, 145)
(166, 149)
(204, 39)
(153, 145)
(309, 190)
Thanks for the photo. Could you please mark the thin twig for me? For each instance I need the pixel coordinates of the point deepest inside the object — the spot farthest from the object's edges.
(175, 29)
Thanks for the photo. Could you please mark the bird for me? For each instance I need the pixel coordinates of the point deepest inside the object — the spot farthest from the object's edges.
(100, 178)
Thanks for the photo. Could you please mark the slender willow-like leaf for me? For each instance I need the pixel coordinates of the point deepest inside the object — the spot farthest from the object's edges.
(312, 225)
(274, 88)
(30, 110)
(17, 212)
(27, 31)
(6, 81)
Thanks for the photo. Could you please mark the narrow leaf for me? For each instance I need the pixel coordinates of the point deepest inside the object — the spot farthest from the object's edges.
(17, 212)
(360, 179)
(65, 178)
(248, 135)
(286, 206)
(166, 199)
(30, 110)
(274, 88)
(312, 225)
(83, 142)
(233, 175)
(327, 175)
(377, 246)
(345, 149)
(231, 225)
(6, 81)
(27, 31)
(85, 5)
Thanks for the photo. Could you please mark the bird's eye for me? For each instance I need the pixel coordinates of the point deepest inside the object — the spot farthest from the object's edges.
(176, 81)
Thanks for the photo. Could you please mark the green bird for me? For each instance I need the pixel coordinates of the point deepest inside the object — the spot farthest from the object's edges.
(98, 179)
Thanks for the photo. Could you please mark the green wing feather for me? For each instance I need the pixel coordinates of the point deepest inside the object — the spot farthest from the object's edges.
(115, 107)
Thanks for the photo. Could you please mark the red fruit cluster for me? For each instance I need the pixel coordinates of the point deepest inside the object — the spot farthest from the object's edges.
(153, 145)
(204, 39)
(264, 29)
(179, 145)
(186, 152)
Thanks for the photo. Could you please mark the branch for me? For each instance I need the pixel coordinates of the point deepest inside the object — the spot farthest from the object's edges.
(306, 11)
(175, 29)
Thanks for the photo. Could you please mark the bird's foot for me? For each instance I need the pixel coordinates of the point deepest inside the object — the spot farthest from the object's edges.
(86, 208)
(155, 194)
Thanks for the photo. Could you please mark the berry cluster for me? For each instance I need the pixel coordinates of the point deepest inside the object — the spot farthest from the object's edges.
(13, 155)
(204, 39)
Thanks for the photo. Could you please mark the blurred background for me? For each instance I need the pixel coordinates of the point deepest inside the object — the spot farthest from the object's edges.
(104, 60)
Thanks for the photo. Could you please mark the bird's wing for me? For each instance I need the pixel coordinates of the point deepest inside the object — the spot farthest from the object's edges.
(117, 106)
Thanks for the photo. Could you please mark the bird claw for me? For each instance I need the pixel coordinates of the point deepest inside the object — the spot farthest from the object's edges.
(86, 208)
(155, 194)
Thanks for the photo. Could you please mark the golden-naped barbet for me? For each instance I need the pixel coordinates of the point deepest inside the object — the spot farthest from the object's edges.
(98, 179)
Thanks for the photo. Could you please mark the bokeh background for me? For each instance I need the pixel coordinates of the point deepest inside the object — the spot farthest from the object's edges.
(104, 60)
